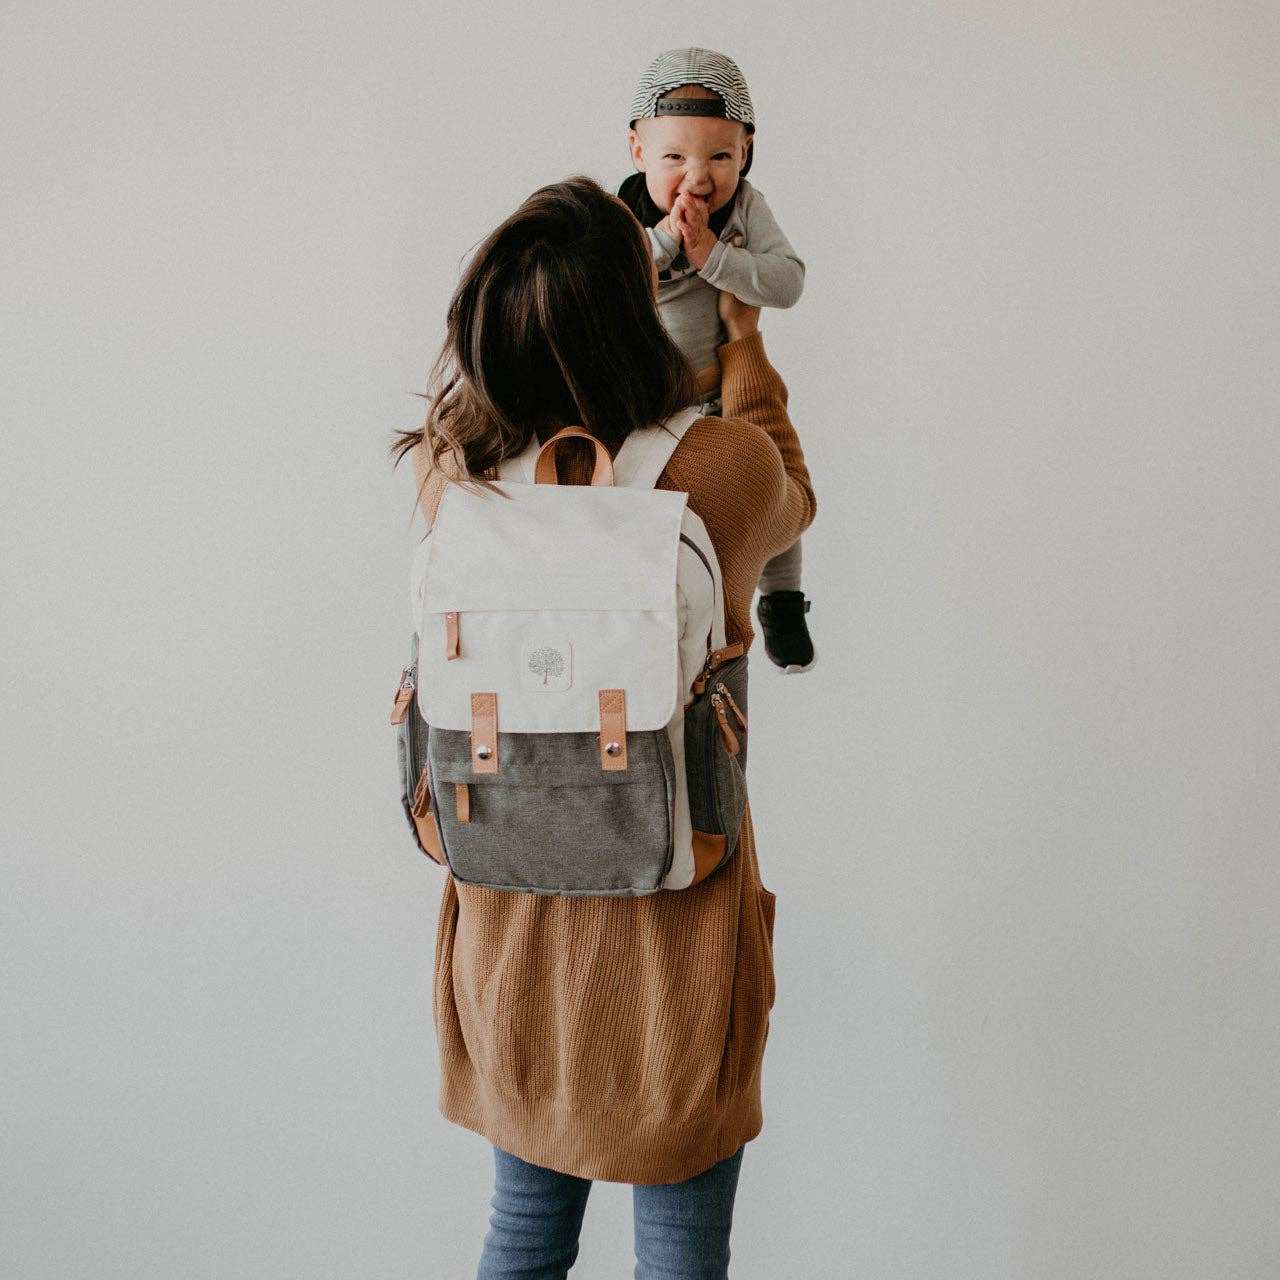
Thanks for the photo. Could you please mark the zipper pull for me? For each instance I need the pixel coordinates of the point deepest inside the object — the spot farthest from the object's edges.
(404, 694)
(700, 680)
(727, 735)
(421, 796)
(733, 706)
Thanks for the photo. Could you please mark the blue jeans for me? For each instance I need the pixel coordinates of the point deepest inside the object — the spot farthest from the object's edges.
(681, 1228)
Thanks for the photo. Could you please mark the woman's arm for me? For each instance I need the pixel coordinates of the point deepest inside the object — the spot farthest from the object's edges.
(783, 503)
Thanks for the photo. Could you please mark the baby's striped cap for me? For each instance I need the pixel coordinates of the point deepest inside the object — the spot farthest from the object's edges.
(676, 67)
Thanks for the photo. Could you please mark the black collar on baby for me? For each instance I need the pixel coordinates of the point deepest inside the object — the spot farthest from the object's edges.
(634, 193)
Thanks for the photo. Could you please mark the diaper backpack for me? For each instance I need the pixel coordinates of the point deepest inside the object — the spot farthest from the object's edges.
(571, 719)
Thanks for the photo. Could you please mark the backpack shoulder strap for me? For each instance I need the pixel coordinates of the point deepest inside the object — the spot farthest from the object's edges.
(647, 450)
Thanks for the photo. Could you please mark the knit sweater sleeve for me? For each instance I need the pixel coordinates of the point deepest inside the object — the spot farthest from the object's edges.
(772, 481)
(770, 500)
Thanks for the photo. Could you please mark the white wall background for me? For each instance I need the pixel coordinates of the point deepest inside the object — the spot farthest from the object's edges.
(1023, 818)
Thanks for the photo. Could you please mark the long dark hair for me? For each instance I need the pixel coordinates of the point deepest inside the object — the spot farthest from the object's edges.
(553, 322)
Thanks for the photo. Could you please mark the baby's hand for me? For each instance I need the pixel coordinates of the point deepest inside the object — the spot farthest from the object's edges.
(672, 223)
(693, 218)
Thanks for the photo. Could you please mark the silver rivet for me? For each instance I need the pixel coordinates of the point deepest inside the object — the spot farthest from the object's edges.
(613, 748)
(484, 752)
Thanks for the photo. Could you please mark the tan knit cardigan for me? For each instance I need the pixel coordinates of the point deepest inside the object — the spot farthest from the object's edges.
(622, 1039)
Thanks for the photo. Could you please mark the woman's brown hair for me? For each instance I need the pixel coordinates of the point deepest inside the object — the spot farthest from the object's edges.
(553, 322)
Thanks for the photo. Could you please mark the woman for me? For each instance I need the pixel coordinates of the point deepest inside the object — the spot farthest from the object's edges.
(608, 1037)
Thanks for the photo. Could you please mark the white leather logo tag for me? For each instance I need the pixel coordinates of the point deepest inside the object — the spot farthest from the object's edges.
(546, 664)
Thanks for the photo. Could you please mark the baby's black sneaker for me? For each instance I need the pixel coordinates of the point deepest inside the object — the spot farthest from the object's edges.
(786, 634)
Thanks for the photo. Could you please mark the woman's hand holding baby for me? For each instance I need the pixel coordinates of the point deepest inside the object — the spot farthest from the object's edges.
(739, 319)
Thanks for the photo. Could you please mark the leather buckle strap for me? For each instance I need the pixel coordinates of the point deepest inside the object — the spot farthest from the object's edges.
(451, 649)
(462, 797)
(484, 733)
(613, 729)
(717, 658)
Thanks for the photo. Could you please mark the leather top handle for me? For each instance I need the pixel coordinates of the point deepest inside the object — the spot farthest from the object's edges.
(544, 469)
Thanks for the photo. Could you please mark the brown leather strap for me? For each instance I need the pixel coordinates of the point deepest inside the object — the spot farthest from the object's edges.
(400, 708)
(421, 796)
(484, 733)
(451, 649)
(544, 469)
(717, 658)
(462, 796)
(727, 735)
(613, 729)
(429, 837)
(723, 690)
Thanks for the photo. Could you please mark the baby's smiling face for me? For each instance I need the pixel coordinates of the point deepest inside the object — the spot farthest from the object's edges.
(701, 155)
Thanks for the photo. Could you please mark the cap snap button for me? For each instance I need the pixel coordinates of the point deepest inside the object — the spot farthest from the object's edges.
(613, 748)
(484, 752)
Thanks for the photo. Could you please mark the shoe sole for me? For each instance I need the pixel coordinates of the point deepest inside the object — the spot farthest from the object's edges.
(795, 669)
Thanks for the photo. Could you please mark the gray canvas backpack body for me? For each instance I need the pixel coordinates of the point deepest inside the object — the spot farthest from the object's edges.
(571, 720)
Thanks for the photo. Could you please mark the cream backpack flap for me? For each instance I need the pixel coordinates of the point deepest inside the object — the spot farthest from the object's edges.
(571, 720)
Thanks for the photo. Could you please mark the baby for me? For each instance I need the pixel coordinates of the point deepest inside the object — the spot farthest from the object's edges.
(692, 129)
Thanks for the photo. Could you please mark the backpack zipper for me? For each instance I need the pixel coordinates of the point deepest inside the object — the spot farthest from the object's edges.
(727, 735)
(733, 706)
(409, 682)
(684, 537)
(697, 550)
(404, 692)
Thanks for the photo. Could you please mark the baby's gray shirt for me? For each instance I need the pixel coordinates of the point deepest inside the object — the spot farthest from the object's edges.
(762, 269)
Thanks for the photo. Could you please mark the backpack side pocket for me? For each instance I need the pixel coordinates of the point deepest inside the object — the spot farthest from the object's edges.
(715, 749)
(411, 754)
